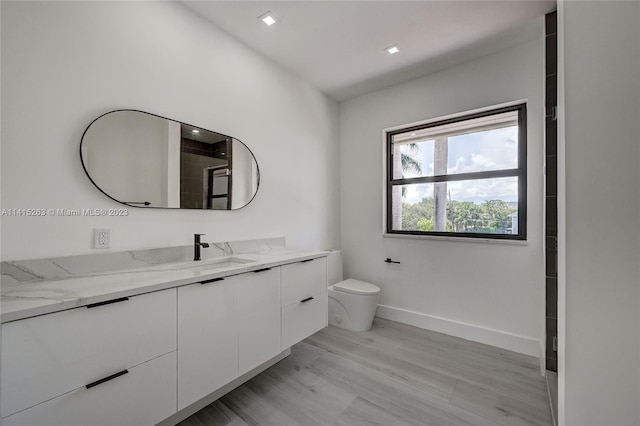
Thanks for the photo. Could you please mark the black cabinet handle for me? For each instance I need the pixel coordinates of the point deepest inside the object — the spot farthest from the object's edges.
(262, 270)
(108, 302)
(211, 280)
(106, 379)
(308, 260)
(388, 260)
(306, 300)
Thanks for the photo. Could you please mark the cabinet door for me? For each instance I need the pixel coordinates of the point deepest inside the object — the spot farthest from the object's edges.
(145, 395)
(259, 321)
(207, 338)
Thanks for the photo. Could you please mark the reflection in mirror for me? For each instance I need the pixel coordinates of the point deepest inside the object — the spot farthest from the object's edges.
(144, 160)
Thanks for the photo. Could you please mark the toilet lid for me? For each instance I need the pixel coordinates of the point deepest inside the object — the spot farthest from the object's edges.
(356, 287)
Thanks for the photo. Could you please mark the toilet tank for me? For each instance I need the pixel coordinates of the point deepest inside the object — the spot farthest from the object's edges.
(334, 267)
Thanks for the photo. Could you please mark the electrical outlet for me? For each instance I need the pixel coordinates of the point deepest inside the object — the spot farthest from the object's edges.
(101, 238)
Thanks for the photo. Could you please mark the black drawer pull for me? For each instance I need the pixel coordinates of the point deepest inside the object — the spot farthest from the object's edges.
(262, 270)
(308, 260)
(306, 300)
(211, 280)
(108, 302)
(106, 379)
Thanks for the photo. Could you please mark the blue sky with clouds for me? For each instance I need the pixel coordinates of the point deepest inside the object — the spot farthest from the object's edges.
(481, 151)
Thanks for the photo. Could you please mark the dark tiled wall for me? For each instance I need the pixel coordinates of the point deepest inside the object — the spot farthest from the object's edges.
(195, 157)
(191, 178)
(551, 188)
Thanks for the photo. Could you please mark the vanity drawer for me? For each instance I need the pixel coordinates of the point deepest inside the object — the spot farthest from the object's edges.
(46, 356)
(303, 279)
(145, 395)
(300, 320)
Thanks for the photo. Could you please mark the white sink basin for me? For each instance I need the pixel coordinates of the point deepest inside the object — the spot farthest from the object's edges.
(215, 263)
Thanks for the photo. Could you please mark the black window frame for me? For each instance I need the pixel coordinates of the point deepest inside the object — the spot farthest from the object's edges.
(520, 172)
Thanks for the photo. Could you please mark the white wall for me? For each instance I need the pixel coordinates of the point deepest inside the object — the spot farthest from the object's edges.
(599, 281)
(112, 149)
(65, 63)
(244, 177)
(482, 291)
(171, 165)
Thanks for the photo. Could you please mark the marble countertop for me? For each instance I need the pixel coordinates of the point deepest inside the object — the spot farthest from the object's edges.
(21, 300)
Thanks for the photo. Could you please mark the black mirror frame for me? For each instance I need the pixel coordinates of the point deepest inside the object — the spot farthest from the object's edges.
(84, 167)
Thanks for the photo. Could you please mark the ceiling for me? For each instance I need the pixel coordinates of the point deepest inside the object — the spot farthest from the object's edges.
(339, 46)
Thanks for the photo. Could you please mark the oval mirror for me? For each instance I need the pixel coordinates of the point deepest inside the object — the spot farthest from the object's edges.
(144, 160)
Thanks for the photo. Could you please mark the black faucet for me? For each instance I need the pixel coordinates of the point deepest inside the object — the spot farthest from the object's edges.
(196, 246)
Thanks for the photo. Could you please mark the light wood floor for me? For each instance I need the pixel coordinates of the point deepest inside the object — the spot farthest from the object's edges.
(552, 387)
(392, 375)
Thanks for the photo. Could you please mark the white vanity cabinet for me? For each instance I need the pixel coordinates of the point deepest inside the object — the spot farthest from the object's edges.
(93, 364)
(304, 300)
(226, 327)
(156, 357)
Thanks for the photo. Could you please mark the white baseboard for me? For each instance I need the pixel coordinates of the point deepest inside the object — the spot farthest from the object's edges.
(512, 342)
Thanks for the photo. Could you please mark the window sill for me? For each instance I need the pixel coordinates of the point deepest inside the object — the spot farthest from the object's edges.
(457, 239)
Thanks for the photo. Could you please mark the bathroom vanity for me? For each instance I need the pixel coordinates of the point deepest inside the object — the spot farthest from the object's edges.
(151, 344)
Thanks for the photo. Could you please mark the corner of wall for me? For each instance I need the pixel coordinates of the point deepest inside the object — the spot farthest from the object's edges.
(562, 210)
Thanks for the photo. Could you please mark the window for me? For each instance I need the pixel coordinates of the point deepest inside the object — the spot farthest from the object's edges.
(460, 177)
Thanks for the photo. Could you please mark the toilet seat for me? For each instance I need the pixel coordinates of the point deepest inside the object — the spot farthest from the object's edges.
(356, 287)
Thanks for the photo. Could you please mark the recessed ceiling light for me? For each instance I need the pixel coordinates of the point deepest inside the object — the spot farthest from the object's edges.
(268, 18)
(195, 131)
(393, 49)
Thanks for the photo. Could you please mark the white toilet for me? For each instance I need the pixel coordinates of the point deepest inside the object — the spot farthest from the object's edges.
(352, 303)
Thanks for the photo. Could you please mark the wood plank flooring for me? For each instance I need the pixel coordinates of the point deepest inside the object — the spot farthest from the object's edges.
(393, 374)
(552, 388)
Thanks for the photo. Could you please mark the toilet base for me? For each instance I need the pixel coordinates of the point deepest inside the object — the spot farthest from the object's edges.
(352, 312)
